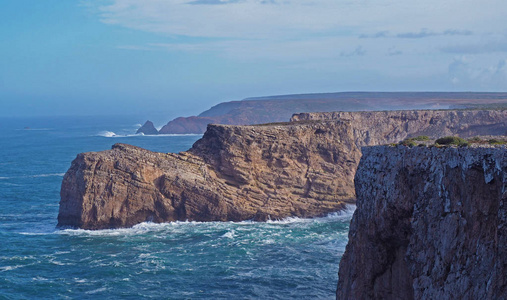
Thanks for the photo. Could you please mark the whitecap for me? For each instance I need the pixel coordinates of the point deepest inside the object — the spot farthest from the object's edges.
(344, 214)
(46, 175)
(229, 234)
(106, 134)
(96, 291)
(9, 268)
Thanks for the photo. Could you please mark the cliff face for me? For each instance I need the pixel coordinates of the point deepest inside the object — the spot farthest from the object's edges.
(236, 173)
(382, 127)
(430, 224)
(281, 108)
(232, 173)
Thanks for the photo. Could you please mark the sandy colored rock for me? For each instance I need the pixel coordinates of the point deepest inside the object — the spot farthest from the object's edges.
(303, 168)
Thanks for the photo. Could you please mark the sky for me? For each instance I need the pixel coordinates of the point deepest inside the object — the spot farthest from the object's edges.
(169, 58)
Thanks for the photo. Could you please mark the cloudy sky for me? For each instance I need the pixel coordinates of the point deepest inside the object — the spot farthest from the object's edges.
(179, 57)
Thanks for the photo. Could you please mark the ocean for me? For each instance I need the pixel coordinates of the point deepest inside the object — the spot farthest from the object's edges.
(281, 259)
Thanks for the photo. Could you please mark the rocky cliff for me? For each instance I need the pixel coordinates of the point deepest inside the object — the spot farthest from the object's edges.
(301, 168)
(430, 224)
(382, 127)
(233, 173)
(280, 108)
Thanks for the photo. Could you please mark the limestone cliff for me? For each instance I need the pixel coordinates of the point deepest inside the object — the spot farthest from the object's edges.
(232, 173)
(303, 168)
(280, 108)
(430, 224)
(382, 127)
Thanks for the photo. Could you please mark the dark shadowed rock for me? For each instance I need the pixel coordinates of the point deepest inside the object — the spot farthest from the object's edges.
(430, 224)
(147, 128)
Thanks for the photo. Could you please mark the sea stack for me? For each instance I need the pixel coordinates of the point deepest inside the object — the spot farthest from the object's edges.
(147, 128)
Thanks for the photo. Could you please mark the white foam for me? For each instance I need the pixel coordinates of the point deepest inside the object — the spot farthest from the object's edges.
(47, 175)
(229, 234)
(106, 134)
(345, 214)
(179, 226)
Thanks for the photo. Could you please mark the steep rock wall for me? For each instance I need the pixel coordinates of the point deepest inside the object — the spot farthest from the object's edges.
(301, 168)
(233, 173)
(382, 127)
(430, 224)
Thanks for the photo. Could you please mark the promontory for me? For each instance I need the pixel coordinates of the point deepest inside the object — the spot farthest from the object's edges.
(302, 168)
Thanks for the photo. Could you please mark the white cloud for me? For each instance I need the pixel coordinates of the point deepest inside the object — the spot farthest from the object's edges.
(281, 18)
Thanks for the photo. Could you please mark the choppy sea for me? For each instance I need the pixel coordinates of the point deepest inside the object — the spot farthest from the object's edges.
(281, 259)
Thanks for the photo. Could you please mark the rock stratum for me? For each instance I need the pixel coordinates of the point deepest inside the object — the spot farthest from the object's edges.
(430, 224)
(280, 108)
(303, 168)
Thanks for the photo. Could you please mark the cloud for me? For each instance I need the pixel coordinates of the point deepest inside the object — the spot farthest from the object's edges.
(465, 71)
(358, 51)
(279, 19)
(380, 34)
(393, 51)
(477, 48)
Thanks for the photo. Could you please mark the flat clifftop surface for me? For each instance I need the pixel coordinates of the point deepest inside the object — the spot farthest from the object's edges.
(232, 173)
(304, 168)
(430, 224)
(382, 127)
(281, 108)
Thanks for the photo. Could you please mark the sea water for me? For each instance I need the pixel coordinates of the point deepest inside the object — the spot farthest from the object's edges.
(280, 259)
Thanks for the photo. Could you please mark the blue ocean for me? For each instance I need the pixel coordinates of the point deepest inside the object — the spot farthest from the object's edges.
(280, 259)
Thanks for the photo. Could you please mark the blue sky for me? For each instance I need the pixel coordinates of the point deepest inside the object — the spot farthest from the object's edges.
(179, 57)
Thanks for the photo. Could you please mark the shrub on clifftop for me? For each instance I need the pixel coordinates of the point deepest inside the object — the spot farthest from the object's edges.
(452, 140)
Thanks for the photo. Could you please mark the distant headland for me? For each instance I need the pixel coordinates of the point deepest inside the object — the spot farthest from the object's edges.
(270, 109)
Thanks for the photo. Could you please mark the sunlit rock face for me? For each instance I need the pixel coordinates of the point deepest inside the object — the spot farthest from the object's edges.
(302, 168)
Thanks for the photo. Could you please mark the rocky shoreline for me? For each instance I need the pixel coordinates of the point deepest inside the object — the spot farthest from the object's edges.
(301, 168)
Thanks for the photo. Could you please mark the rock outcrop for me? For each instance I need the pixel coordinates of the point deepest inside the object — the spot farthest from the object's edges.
(430, 224)
(232, 173)
(280, 108)
(304, 168)
(147, 128)
(382, 127)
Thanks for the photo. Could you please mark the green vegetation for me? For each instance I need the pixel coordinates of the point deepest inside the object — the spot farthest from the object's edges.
(452, 140)
(494, 141)
(408, 143)
(411, 142)
(421, 138)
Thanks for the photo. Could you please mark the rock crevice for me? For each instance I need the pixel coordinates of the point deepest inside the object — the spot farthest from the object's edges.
(430, 224)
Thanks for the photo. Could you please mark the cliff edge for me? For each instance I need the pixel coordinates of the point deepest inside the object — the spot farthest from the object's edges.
(430, 224)
(302, 168)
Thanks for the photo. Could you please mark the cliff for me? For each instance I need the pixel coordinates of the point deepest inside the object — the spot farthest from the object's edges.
(232, 173)
(280, 108)
(304, 168)
(430, 224)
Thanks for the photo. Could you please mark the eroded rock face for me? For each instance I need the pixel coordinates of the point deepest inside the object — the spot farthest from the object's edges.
(382, 127)
(233, 173)
(430, 224)
(303, 168)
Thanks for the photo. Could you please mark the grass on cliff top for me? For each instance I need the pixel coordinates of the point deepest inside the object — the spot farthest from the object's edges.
(450, 141)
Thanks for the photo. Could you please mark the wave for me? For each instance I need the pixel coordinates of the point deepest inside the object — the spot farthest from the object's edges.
(345, 214)
(146, 227)
(111, 134)
(33, 176)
